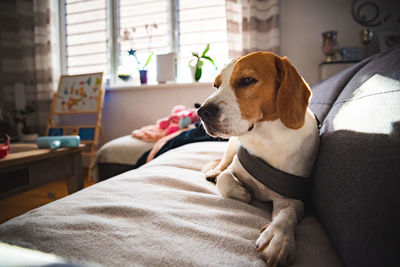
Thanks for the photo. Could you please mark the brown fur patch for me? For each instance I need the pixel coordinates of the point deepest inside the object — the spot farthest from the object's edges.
(256, 101)
(293, 96)
(217, 81)
(279, 91)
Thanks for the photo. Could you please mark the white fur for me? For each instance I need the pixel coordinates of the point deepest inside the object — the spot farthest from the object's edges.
(290, 150)
(230, 120)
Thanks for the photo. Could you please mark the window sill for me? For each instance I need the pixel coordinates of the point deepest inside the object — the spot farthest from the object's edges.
(163, 86)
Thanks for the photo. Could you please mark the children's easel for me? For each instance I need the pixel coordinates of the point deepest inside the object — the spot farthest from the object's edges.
(77, 95)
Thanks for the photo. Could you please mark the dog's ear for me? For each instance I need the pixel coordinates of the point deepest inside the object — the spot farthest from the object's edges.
(293, 95)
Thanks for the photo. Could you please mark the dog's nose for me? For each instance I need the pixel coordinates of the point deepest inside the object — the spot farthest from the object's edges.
(208, 112)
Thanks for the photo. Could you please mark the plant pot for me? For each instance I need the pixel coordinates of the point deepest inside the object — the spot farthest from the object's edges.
(143, 76)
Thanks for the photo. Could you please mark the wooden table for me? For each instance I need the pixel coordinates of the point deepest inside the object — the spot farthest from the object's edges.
(33, 167)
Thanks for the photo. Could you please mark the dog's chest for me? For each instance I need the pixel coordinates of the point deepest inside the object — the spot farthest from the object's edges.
(255, 188)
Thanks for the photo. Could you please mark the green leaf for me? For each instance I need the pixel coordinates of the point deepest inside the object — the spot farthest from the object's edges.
(195, 54)
(148, 60)
(206, 50)
(197, 74)
(212, 61)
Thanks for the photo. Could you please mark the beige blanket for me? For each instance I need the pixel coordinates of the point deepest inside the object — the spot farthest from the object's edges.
(162, 214)
(122, 150)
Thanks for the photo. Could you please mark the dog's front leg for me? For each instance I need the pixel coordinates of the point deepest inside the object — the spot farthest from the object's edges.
(230, 187)
(213, 169)
(277, 239)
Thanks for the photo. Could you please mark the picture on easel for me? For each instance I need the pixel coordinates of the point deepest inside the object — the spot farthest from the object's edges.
(79, 94)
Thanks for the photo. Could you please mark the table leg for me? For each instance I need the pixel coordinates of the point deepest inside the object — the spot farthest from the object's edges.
(75, 183)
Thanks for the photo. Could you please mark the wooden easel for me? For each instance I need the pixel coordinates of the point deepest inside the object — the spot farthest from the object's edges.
(76, 95)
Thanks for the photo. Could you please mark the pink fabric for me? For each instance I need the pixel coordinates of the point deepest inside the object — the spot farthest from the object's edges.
(150, 133)
(181, 117)
(163, 123)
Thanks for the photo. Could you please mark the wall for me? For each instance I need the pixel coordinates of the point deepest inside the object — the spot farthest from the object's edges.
(303, 21)
(129, 108)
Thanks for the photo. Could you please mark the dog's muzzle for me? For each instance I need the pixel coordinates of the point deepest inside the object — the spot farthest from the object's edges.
(209, 113)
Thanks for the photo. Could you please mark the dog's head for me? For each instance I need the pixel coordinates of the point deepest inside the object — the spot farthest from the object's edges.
(258, 87)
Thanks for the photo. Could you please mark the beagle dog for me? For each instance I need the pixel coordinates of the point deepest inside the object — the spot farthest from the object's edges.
(261, 104)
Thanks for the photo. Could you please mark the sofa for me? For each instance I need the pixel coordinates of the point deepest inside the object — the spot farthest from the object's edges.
(117, 156)
(166, 214)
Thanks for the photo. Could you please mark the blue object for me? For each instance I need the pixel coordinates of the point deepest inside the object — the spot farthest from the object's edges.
(54, 142)
(86, 133)
(56, 132)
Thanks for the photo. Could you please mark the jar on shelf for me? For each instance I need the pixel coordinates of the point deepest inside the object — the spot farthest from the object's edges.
(330, 45)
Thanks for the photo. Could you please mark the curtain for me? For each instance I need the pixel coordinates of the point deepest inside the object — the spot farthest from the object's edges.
(25, 59)
(253, 25)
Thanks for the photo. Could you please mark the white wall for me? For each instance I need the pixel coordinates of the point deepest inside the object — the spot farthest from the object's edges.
(129, 108)
(303, 21)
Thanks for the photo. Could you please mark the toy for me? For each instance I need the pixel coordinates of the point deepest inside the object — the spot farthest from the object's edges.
(54, 142)
(181, 117)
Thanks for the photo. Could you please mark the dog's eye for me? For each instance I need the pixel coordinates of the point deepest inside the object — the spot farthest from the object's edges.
(216, 86)
(246, 81)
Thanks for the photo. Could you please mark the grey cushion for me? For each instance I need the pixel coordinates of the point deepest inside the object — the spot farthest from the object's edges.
(357, 173)
(325, 93)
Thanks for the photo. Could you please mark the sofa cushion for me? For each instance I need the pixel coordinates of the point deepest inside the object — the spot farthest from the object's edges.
(357, 173)
(325, 93)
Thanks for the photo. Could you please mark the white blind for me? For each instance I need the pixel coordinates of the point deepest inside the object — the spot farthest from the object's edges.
(143, 25)
(86, 36)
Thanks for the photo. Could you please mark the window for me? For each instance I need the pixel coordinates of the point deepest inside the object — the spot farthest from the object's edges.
(100, 32)
(201, 22)
(86, 36)
(144, 27)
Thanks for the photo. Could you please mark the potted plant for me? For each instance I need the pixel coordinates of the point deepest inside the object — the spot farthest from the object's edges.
(5, 124)
(196, 64)
(21, 116)
(142, 68)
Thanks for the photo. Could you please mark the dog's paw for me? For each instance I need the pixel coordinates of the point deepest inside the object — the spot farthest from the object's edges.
(276, 246)
(211, 175)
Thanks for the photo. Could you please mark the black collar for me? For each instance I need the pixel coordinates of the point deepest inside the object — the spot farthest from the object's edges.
(285, 184)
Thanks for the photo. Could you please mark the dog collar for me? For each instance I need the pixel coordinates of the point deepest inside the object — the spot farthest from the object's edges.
(285, 184)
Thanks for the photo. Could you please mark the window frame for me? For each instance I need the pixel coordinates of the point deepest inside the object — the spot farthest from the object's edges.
(112, 38)
(112, 24)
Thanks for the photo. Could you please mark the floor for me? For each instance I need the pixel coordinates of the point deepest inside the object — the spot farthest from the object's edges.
(18, 204)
